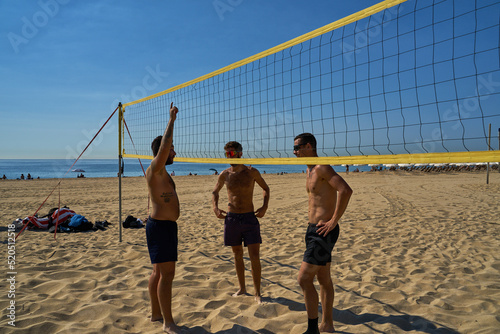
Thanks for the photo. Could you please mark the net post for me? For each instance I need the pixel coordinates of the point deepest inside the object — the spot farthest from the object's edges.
(120, 169)
(489, 149)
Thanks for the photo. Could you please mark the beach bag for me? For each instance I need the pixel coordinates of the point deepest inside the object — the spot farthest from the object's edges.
(132, 222)
(80, 223)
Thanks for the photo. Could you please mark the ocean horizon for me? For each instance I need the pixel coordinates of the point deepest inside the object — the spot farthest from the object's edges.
(61, 168)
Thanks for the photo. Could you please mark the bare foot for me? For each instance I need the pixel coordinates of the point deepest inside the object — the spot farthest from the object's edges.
(326, 329)
(258, 299)
(171, 328)
(240, 292)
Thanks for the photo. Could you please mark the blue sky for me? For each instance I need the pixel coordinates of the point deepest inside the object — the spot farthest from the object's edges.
(66, 63)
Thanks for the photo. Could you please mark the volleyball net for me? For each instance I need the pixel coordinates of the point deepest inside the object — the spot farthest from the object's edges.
(399, 82)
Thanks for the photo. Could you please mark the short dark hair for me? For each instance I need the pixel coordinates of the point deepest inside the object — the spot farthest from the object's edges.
(307, 138)
(233, 144)
(155, 145)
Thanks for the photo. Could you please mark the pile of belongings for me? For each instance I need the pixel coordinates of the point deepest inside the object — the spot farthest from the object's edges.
(65, 219)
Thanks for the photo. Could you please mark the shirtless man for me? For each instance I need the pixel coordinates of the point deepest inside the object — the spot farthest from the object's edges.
(241, 222)
(329, 195)
(161, 227)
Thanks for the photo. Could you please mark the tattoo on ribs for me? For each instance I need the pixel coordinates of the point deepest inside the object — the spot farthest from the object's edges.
(166, 196)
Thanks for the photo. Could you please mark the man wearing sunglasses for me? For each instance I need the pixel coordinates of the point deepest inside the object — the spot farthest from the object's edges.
(241, 224)
(329, 195)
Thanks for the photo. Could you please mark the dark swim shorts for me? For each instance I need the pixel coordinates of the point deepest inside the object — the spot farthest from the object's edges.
(161, 236)
(241, 227)
(319, 248)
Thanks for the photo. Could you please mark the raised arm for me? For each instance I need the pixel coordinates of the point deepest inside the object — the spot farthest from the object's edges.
(260, 212)
(159, 161)
(215, 196)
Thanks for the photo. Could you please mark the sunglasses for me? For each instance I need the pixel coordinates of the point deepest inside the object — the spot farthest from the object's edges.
(297, 147)
(231, 154)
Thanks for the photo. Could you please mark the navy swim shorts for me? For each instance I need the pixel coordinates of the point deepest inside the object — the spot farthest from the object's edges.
(240, 227)
(161, 236)
(319, 248)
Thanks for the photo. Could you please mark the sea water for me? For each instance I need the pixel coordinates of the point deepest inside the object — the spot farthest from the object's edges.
(63, 168)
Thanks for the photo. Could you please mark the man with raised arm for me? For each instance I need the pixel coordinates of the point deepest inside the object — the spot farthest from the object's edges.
(161, 227)
(329, 195)
(241, 222)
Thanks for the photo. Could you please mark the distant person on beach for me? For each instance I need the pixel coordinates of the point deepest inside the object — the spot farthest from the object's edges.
(4, 177)
(161, 227)
(22, 176)
(329, 195)
(241, 223)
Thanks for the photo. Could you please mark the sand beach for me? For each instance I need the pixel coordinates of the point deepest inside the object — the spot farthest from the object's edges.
(417, 253)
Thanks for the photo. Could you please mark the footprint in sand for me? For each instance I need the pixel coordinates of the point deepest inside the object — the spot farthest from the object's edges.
(214, 304)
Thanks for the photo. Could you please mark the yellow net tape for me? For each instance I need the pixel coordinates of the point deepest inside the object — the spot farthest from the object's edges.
(421, 158)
